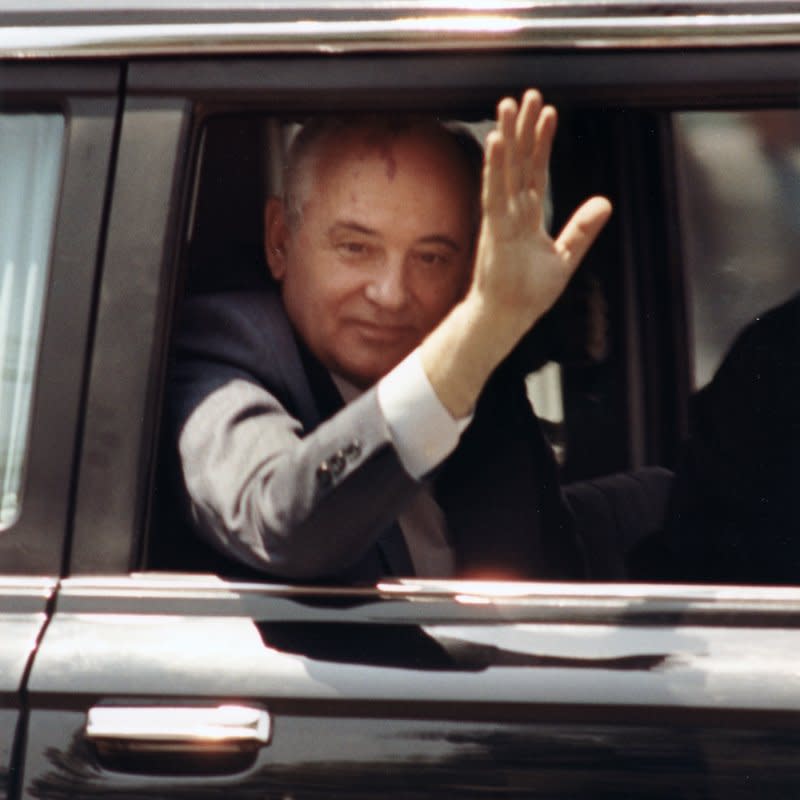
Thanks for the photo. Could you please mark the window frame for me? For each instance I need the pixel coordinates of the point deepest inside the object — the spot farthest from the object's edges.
(86, 95)
(150, 208)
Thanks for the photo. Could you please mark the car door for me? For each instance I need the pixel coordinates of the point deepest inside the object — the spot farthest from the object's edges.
(154, 686)
(56, 135)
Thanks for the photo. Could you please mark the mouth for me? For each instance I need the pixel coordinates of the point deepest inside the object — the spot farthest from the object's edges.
(382, 333)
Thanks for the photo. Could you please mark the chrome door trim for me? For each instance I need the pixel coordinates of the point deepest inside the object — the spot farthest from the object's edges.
(441, 601)
(446, 32)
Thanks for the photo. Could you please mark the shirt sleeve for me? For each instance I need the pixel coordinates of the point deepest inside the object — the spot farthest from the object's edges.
(421, 428)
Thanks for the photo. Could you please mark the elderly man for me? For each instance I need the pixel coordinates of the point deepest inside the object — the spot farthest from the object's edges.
(354, 424)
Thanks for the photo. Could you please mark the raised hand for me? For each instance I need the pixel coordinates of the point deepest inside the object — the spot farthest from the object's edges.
(520, 270)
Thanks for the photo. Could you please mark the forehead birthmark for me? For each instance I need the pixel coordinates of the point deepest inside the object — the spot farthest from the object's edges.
(387, 154)
(380, 143)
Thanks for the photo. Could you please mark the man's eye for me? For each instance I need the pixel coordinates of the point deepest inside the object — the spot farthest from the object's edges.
(430, 259)
(353, 248)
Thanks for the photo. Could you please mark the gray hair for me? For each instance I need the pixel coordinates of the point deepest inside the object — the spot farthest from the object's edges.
(318, 132)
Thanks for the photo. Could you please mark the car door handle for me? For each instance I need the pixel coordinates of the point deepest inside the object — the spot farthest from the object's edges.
(143, 729)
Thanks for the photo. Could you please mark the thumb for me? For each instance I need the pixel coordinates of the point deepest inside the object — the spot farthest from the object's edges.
(581, 230)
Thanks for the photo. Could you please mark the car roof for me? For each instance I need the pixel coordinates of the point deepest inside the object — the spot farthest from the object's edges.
(131, 28)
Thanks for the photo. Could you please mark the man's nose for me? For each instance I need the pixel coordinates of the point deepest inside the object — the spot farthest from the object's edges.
(388, 287)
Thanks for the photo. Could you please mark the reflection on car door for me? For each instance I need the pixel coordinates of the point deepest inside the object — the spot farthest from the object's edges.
(23, 602)
(195, 687)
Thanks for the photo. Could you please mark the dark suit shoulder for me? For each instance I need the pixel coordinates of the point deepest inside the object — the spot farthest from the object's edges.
(235, 327)
(245, 336)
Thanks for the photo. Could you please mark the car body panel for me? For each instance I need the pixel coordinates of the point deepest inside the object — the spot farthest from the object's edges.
(349, 757)
(254, 638)
(421, 688)
(23, 615)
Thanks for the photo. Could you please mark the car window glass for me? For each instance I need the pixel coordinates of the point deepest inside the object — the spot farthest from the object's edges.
(30, 161)
(739, 194)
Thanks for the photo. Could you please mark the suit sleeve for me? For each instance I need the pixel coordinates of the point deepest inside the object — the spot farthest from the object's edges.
(261, 481)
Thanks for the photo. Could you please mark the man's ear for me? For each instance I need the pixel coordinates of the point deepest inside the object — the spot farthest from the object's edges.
(276, 237)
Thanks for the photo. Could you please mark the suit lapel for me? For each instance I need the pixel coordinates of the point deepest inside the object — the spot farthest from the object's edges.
(288, 352)
(324, 393)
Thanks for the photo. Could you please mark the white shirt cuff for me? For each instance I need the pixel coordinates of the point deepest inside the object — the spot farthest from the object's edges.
(422, 429)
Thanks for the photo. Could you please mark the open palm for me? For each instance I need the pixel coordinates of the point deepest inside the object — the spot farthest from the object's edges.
(520, 270)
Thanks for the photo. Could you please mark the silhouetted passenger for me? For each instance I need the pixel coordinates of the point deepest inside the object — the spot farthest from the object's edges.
(734, 513)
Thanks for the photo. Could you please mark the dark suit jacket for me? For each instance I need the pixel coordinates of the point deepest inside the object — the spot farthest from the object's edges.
(279, 476)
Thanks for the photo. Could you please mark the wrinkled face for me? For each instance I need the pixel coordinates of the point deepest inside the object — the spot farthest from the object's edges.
(381, 252)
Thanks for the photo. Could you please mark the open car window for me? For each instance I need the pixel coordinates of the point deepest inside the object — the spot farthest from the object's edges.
(596, 363)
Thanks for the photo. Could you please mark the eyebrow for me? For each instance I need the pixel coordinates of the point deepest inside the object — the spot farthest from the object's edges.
(440, 239)
(356, 227)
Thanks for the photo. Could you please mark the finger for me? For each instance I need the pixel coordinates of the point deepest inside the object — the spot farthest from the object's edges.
(529, 209)
(526, 133)
(582, 229)
(545, 132)
(536, 209)
(507, 119)
(493, 195)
